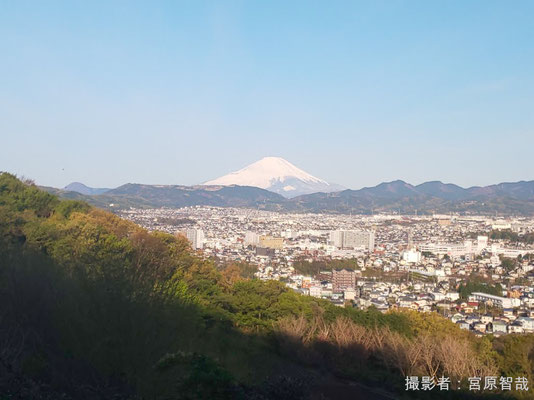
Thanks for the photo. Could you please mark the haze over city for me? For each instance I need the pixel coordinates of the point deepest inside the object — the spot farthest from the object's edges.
(355, 93)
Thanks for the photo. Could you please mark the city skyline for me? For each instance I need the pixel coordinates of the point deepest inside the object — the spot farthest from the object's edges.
(354, 93)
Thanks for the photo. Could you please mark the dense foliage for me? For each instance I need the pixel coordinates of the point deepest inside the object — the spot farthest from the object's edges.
(314, 267)
(507, 234)
(94, 307)
(472, 286)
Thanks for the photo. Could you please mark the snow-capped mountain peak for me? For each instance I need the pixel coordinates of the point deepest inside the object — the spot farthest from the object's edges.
(277, 175)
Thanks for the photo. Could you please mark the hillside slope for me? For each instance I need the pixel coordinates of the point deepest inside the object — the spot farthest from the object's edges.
(95, 307)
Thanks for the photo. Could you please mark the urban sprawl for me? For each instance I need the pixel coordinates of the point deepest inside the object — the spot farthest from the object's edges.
(462, 267)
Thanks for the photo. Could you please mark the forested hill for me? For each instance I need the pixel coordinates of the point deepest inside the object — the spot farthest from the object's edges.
(137, 195)
(94, 307)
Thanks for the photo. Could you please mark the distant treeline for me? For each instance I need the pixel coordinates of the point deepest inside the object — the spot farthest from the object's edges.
(469, 287)
(314, 267)
(507, 234)
(174, 221)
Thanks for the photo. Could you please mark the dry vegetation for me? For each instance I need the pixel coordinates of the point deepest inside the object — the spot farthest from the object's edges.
(448, 354)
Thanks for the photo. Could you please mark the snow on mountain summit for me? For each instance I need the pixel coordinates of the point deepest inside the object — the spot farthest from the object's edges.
(277, 175)
(263, 172)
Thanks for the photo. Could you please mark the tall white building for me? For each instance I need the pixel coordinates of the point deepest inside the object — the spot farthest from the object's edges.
(353, 239)
(252, 238)
(196, 237)
(482, 243)
(336, 238)
(412, 256)
(503, 302)
(451, 249)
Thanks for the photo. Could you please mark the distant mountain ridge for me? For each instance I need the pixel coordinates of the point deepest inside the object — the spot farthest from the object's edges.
(175, 196)
(79, 187)
(396, 196)
(222, 196)
(428, 197)
(447, 191)
(523, 190)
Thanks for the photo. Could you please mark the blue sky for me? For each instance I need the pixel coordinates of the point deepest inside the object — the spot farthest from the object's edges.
(182, 92)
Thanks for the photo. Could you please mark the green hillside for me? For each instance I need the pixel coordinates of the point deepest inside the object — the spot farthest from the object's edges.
(95, 307)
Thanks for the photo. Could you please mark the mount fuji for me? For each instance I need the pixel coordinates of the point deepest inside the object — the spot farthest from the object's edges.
(276, 175)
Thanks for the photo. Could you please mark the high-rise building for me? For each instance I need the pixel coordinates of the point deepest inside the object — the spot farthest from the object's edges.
(356, 239)
(412, 256)
(353, 239)
(252, 238)
(336, 238)
(343, 279)
(196, 237)
(450, 249)
(482, 243)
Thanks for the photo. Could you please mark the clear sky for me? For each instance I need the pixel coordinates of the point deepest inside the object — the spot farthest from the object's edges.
(354, 92)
